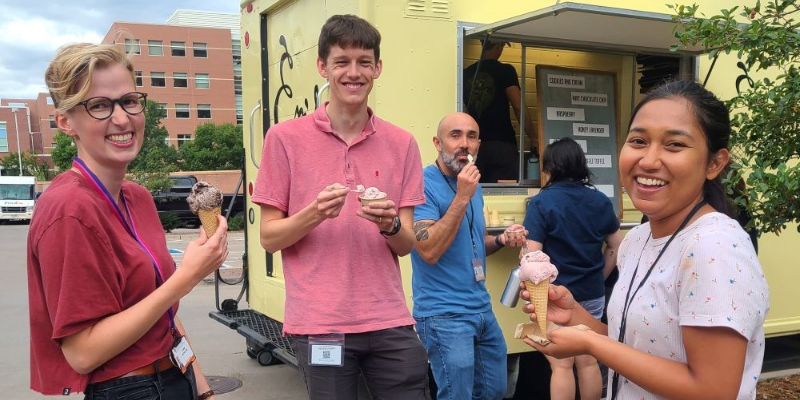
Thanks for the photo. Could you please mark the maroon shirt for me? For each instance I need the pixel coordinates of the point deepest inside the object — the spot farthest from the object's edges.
(83, 266)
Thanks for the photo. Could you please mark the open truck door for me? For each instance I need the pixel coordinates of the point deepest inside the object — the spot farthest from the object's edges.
(602, 59)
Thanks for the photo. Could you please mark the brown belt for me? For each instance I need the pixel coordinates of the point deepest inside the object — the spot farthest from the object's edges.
(150, 369)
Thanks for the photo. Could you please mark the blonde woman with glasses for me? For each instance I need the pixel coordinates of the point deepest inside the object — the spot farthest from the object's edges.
(103, 288)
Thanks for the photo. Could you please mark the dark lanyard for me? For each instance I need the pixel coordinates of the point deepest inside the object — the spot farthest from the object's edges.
(470, 217)
(98, 186)
(629, 297)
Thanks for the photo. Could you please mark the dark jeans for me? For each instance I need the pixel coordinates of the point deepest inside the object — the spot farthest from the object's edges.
(393, 362)
(167, 385)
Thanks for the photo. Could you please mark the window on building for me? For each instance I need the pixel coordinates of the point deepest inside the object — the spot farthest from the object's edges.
(180, 79)
(155, 47)
(158, 79)
(204, 111)
(178, 49)
(200, 49)
(163, 106)
(49, 101)
(3, 137)
(53, 122)
(201, 81)
(132, 46)
(183, 138)
(182, 110)
(139, 77)
(53, 145)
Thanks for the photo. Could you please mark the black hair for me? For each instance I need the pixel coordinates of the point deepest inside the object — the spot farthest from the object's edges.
(348, 31)
(712, 116)
(564, 160)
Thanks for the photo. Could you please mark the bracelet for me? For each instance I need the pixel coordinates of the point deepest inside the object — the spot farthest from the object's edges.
(205, 395)
(498, 242)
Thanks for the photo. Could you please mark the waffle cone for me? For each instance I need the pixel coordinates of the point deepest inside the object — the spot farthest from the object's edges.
(539, 301)
(209, 219)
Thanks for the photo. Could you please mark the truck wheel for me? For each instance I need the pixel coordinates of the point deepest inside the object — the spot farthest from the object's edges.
(266, 358)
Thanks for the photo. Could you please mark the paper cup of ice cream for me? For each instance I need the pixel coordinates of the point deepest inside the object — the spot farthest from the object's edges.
(371, 195)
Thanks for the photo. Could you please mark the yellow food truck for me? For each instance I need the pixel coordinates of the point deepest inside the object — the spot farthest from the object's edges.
(582, 68)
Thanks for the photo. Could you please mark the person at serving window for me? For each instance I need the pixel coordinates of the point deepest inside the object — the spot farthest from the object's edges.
(490, 86)
(103, 288)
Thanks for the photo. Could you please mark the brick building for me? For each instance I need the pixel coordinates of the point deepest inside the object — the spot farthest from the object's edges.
(187, 70)
(191, 66)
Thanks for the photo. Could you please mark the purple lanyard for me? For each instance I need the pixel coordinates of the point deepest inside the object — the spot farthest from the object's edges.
(101, 189)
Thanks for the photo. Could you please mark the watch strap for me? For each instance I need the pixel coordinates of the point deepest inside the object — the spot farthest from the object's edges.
(395, 227)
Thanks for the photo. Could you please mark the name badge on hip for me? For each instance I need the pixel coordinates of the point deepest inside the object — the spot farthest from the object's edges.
(181, 354)
(326, 350)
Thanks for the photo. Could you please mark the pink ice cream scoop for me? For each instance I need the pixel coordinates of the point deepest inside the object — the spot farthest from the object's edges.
(535, 266)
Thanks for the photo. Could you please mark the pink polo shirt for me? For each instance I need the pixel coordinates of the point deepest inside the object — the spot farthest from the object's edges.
(342, 277)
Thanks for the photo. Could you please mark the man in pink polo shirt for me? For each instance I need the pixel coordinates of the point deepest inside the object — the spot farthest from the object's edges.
(345, 309)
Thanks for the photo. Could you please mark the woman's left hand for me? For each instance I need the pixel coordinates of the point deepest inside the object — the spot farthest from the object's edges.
(565, 342)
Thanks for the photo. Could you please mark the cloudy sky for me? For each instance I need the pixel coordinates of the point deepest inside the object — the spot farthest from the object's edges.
(31, 31)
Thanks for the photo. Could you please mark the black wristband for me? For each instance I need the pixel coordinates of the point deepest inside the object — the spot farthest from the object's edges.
(395, 227)
(498, 242)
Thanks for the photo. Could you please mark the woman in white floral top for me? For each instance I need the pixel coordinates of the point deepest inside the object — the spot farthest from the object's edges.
(685, 320)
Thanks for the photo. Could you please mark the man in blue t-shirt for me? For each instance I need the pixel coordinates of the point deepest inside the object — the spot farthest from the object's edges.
(452, 308)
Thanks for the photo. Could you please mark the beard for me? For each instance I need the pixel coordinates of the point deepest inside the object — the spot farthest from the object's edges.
(451, 160)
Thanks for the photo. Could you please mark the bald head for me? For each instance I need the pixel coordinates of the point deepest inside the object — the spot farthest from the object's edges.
(459, 121)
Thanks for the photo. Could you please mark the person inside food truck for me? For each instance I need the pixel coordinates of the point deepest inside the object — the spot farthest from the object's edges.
(345, 310)
(489, 87)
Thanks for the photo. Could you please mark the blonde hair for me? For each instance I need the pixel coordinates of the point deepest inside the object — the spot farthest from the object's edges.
(68, 77)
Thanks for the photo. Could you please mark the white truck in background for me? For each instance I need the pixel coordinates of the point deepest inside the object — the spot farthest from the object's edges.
(17, 195)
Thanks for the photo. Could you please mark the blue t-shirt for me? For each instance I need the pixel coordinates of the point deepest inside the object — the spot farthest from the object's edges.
(572, 222)
(449, 287)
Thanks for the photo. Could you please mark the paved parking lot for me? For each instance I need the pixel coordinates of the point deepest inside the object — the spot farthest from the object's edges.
(221, 351)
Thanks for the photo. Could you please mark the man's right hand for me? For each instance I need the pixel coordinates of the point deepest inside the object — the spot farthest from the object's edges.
(468, 180)
(331, 200)
(560, 304)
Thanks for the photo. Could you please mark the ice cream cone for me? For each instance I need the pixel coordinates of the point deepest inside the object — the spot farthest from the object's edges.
(539, 300)
(209, 220)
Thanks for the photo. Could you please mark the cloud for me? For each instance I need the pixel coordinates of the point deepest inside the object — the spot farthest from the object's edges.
(30, 35)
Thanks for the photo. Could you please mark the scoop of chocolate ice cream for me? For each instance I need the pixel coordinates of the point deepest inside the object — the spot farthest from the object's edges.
(204, 196)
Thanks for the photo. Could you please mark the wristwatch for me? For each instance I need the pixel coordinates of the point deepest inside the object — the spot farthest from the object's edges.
(395, 227)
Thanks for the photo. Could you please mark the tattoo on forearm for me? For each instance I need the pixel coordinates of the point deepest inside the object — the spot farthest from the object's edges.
(421, 230)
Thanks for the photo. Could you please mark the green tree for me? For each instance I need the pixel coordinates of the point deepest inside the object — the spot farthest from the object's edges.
(32, 165)
(215, 147)
(63, 152)
(765, 113)
(157, 158)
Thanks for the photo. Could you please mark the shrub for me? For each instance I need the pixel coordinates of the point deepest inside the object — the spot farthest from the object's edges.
(236, 222)
(169, 221)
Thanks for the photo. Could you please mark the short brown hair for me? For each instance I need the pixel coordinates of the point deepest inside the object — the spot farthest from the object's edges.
(68, 77)
(348, 31)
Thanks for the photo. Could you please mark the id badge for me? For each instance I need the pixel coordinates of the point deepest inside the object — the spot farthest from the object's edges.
(477, 267)
(182, 354)
(326, 350)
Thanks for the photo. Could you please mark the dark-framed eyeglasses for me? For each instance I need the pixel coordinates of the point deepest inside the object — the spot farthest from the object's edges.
(102, 107)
